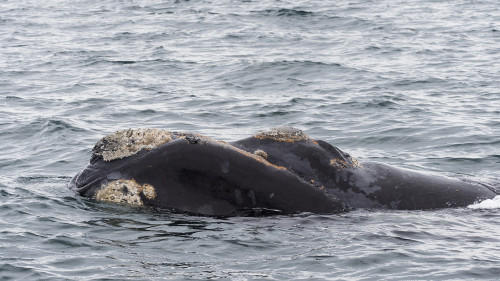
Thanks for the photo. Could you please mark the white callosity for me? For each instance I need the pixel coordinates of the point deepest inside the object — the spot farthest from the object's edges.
(125, 191)
(283, 134)
(126, 143)
(342, 164)
(261, 153)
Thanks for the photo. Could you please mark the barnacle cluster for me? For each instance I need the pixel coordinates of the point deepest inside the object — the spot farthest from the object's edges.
(261, 153)
(283, 134)
(125, 191)
(343, 164)
(126, 143)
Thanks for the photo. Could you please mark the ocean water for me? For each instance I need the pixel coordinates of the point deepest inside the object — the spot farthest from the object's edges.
(409, 83)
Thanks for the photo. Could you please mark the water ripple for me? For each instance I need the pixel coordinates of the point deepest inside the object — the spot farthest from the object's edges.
(413, 84)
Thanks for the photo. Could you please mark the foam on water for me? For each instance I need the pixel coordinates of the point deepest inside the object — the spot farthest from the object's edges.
(487, 204)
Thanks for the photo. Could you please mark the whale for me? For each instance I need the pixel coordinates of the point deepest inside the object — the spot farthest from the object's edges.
(277, 171)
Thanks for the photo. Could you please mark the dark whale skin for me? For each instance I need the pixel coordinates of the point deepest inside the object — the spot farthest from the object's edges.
(225, 179)
(371, 184)
(208, 179)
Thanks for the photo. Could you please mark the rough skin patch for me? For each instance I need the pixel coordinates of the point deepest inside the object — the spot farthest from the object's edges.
(128, 142)
(341, 164)
(261, 153)
(251, 155)
(283, 134)
(203, 140)
(125, 191)
(193, 138)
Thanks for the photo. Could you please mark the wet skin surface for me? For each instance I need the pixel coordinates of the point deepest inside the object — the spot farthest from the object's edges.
(260, 175)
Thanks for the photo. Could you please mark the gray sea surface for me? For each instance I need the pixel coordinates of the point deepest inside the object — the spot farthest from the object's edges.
(414, 84)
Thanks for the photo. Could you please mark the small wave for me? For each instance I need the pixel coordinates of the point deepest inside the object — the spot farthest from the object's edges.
(270, 74)
(13, 98)
(418, 82)
(487, 204)
(4, 193)
(275, 113)
(122, 61)
(286, 12)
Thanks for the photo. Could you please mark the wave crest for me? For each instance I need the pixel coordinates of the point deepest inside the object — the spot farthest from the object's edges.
(487, 204)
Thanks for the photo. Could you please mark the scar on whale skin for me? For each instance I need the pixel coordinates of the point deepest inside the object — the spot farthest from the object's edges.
(125, 191)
